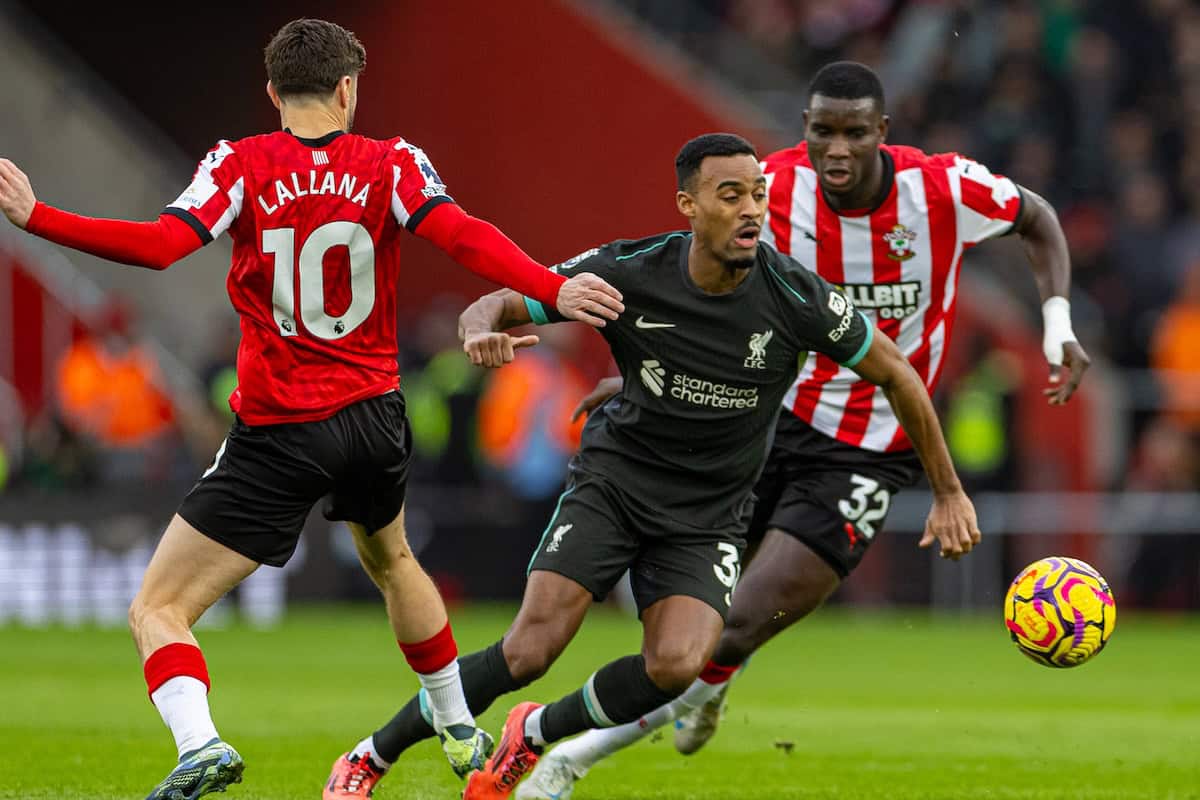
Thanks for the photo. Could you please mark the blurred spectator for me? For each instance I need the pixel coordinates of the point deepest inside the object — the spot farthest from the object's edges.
(1139, 250)
(219, 371)
(1022, 100)
(12, 424)
(978, 414)
(55, 457)
(1165, 571)
(111, 396)
(772, 24)
(525, 427)
(1176, 353)
(1092, 72)
(108, 385)
(1020, 32)
(441, 389)
(1034, 165)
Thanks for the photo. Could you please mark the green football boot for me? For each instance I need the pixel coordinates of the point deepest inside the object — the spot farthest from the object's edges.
(209, 769)
(466, 748)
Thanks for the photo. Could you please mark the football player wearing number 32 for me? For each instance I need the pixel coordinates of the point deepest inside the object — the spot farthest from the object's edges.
(318, 406)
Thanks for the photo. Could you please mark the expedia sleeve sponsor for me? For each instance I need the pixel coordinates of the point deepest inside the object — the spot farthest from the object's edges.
(830, 322)
(842, 311)
(843, 325)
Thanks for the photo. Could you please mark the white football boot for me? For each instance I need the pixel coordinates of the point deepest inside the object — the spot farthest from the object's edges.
(693, 730)
(552, 779)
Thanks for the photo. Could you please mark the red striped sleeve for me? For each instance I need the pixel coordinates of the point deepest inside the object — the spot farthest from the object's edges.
(978, 197)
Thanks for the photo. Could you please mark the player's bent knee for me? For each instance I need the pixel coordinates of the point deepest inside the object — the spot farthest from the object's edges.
(395, 571)
(145, 615)
(673, 670)
(528, 657)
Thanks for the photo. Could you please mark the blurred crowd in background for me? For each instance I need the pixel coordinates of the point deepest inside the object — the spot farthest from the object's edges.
(1093, 104)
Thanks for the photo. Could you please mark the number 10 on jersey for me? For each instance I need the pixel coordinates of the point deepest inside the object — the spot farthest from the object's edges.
(310, 272)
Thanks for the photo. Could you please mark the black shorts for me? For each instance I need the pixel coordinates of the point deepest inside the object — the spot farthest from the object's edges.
(597, 532)
(265, 479)
(831, 496)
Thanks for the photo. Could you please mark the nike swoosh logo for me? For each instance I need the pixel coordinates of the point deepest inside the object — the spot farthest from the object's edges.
(641, 323)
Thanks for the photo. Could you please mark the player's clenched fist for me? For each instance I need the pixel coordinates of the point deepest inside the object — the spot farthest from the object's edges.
(495, 349)
(16, 195)
(589, 298)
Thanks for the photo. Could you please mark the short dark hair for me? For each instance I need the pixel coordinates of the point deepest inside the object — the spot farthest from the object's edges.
(310, 56)
(687, 163)
(847, 80)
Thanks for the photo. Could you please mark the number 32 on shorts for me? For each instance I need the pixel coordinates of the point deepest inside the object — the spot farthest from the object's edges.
(867, 504)
(728, 569)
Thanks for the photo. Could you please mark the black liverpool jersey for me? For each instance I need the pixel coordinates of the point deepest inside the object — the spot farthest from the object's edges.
(704, 374)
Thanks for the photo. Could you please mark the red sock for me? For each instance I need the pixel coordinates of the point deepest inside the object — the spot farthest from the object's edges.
(433, 653)
(173, 660)
(714, 673)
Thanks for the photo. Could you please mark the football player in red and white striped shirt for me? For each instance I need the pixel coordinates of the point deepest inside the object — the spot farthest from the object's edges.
(316, 215)
(890, 225)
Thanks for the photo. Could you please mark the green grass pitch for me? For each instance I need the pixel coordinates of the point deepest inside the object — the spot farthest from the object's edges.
(876, 705)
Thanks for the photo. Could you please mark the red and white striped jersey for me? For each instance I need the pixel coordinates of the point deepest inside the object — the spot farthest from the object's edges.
(316, 226)
(898, 262)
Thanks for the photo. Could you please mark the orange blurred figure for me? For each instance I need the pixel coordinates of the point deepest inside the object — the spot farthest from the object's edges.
(108, 385)
(1175, 355)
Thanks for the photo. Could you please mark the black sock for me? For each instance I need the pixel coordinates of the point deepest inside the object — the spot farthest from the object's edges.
(485, 677)
(620, 692)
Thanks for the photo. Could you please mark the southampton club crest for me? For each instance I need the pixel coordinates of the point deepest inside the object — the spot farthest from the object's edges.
(900, 241)
(758, 350)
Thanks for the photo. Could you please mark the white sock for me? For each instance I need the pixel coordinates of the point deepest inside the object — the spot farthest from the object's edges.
(699, 693)
(183, 703)
(367, 748)
(533, 727)
(596, 744)
(446, 699)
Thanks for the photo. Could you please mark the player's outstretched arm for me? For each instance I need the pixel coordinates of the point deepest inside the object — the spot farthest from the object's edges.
(482, 248)
(1046, 245)
(952, 519)
(481, 328)
(155, 245)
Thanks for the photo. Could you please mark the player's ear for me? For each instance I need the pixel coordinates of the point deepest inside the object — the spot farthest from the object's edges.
(686, 204)
(884, 122)
(345, 91)
(274, 95)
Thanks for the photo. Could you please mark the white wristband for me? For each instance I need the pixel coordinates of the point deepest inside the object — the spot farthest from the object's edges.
(1056, 319)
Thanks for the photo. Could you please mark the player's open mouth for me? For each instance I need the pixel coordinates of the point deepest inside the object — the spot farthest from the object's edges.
(837, 176)
(747, 237)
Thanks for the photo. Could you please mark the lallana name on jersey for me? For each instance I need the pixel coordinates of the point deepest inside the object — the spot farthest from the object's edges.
(288, 190)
